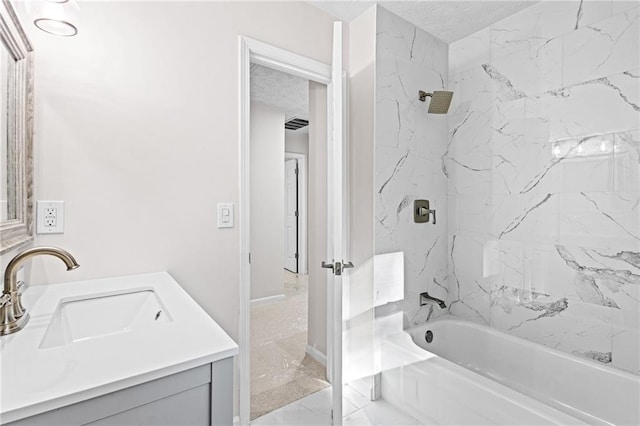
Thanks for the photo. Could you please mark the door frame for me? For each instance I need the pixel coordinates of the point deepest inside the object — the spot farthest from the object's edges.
(302, 209)
(254, 51)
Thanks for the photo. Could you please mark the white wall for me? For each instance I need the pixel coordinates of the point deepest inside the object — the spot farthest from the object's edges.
(137, 131)
(267, 201)
(317, 229)
(296, 142)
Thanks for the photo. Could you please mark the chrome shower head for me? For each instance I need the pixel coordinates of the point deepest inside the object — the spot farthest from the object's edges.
(440, 101)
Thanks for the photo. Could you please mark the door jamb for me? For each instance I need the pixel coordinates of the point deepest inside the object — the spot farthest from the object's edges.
(254, 51)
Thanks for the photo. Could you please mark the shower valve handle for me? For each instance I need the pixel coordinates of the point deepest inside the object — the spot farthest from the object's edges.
(422, 212)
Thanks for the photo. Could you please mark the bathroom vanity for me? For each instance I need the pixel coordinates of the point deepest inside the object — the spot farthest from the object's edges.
(118, 351)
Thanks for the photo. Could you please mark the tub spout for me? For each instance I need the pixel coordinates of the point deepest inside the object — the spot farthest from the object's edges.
(425, 299)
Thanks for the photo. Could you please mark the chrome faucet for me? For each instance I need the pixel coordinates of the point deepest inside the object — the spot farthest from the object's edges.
(13, 316)
(425, 299)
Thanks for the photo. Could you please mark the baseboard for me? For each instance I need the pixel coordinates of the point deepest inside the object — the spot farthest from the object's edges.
(316, 354)
(268, 299)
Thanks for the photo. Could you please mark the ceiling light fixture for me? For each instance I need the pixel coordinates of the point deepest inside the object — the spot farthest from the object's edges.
(57, 17)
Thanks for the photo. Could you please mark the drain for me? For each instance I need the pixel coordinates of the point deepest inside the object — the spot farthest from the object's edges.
(428, 336)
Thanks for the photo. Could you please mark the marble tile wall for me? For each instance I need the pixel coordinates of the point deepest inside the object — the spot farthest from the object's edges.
(543, 174)
(410, 145)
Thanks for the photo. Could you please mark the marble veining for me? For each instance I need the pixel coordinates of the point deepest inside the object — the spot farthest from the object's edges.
(609, 216)
(506, 298)
(588, 277)
(511, 91)
(523, 216)
(410, 147)
(565, 92)
(543, 172)
(395, 171)
(534, 173)
(579, 15)
(563, 152)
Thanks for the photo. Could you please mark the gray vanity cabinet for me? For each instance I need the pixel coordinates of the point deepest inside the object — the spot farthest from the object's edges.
(200, 396)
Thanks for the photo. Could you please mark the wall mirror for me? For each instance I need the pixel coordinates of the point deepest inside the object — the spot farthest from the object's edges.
(16, 132)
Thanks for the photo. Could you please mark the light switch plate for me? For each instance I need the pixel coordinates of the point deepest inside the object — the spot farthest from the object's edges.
(225, 215)
(50, 217)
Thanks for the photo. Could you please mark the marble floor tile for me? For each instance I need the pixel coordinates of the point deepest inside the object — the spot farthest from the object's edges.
(281, 371)
(379, 413)
(315, 409)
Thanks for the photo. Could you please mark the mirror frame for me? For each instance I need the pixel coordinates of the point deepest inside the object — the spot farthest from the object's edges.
(18, 231)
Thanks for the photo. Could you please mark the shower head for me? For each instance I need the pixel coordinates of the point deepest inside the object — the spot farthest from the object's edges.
(440, 101)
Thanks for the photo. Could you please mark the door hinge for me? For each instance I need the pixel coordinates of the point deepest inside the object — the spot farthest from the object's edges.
(296, 213)
(296, 255)
(296, 170)
(249, 258)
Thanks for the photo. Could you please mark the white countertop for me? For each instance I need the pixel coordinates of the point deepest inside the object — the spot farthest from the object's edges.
(35, 380)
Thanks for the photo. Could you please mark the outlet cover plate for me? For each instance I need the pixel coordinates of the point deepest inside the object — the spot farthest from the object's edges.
(50, 217)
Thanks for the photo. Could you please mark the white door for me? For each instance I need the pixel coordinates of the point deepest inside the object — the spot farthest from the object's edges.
(351, 310)
(291, 215)
(336, 244)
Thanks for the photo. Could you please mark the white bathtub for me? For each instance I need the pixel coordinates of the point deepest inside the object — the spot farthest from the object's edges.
(471, 374)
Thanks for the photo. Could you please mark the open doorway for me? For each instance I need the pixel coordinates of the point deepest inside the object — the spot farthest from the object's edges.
(288, 335)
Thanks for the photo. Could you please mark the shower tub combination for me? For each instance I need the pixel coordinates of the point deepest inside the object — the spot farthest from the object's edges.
(469, 374)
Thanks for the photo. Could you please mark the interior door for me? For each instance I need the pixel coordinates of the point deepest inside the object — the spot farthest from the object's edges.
(291, 215)
(336, 244)
(351, 293)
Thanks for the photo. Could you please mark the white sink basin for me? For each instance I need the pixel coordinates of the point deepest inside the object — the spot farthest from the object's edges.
(98, 315)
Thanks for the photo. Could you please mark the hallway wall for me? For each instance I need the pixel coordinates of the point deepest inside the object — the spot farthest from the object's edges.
(267, 201)
(296, 142)
(317, 216)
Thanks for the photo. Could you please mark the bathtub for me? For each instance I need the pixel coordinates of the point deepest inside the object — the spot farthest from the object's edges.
(470, 374)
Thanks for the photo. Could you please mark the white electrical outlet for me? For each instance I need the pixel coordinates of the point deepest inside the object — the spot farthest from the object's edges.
(50, 217)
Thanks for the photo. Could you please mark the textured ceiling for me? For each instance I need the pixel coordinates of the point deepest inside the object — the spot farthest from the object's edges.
(286, 92)
(447, 20)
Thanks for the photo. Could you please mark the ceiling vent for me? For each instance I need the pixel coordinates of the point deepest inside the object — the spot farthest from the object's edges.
(296, 123)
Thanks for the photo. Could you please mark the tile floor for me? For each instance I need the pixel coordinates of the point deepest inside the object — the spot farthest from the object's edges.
(281, 371)
(315, 409)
